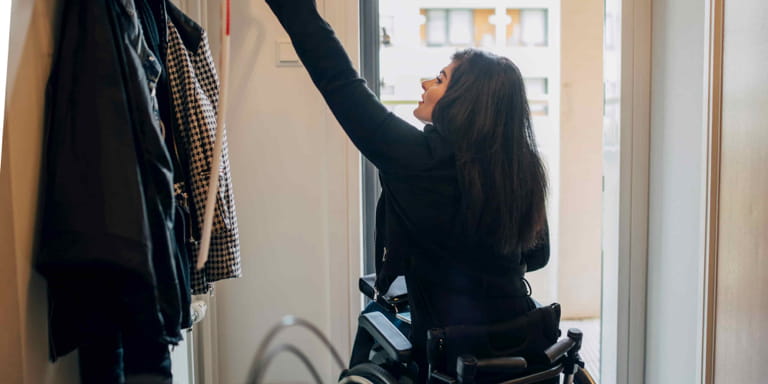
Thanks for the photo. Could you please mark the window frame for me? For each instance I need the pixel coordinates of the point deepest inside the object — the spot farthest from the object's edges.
(370, 46)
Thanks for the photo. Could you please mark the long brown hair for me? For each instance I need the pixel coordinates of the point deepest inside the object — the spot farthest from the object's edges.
(501, 174)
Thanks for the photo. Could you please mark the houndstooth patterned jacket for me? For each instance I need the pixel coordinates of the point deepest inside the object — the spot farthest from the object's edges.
(195, 92)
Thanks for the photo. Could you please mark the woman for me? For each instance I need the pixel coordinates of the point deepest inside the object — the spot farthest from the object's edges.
(462, 212)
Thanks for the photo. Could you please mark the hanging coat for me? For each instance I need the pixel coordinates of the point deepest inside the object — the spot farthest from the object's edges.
(106, 242)
(195, 90)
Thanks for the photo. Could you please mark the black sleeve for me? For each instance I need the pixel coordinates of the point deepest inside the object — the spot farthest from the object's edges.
(386, 140)
(537, 257)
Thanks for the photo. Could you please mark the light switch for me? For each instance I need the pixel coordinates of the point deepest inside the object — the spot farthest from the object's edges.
(286, 55)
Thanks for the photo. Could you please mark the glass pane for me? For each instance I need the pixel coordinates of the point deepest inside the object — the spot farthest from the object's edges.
(460, 27)
(534, 22)
(437, 26)
(539, 108)
(528, 27)
(387, 24)
(536, 87)
(386, 88)
(423, 37)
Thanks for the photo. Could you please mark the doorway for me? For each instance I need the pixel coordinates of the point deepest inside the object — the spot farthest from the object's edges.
(569, 54)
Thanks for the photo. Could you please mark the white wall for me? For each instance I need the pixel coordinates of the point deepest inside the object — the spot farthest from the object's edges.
(296, 180)
(581, 166)
(677, 192)
(297, 185)
(30, 50)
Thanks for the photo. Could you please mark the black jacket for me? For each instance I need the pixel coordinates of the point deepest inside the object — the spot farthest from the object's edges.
(418, 220)
(107, 243)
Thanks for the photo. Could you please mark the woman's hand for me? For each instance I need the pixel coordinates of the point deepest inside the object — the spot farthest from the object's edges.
(389, 269)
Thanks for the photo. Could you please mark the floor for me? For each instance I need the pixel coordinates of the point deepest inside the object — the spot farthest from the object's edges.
(590, 346)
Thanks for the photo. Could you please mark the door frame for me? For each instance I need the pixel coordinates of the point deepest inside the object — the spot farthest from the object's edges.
(634, 166)
(635, 128)
(714, 82)
(636, 22)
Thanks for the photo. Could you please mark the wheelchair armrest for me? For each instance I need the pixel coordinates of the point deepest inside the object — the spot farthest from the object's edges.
(397, 346)
(467, 366)
(559, 349)
(503, 364)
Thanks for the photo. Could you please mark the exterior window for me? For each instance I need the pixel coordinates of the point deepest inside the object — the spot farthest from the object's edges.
(386, 88)
(437, 27)
(528, 28)
(458, 27)
(387, 30)
(539, 107)
(536, 87)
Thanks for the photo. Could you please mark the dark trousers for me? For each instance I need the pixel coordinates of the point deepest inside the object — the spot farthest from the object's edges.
(113, 356)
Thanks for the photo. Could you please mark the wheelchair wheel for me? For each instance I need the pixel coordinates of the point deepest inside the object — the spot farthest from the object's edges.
(367, 373)
(582, 376)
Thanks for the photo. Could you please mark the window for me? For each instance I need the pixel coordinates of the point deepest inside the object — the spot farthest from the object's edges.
(539, 107)
(458, 27)
(437, 27)
(528, 27)
(386, 88)
(387, 24)
(537, 89)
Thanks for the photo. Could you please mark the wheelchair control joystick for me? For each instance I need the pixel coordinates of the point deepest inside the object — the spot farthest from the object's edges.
(573, 360)
(576, 335)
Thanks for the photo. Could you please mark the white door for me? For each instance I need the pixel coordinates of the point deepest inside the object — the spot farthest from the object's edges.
(741, 303)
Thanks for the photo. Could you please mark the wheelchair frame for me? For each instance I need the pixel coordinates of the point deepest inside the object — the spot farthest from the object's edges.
(563, 356)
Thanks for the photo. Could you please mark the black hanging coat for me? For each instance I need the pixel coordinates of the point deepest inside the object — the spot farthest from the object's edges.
(106, 243)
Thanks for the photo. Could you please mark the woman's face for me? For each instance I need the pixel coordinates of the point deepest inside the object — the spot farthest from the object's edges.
(434, 90)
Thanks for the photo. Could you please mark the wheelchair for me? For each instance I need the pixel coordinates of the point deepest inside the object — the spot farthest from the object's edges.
(460, 354)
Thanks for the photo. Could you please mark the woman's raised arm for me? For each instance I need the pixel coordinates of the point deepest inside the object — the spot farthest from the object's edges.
(386, 140)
